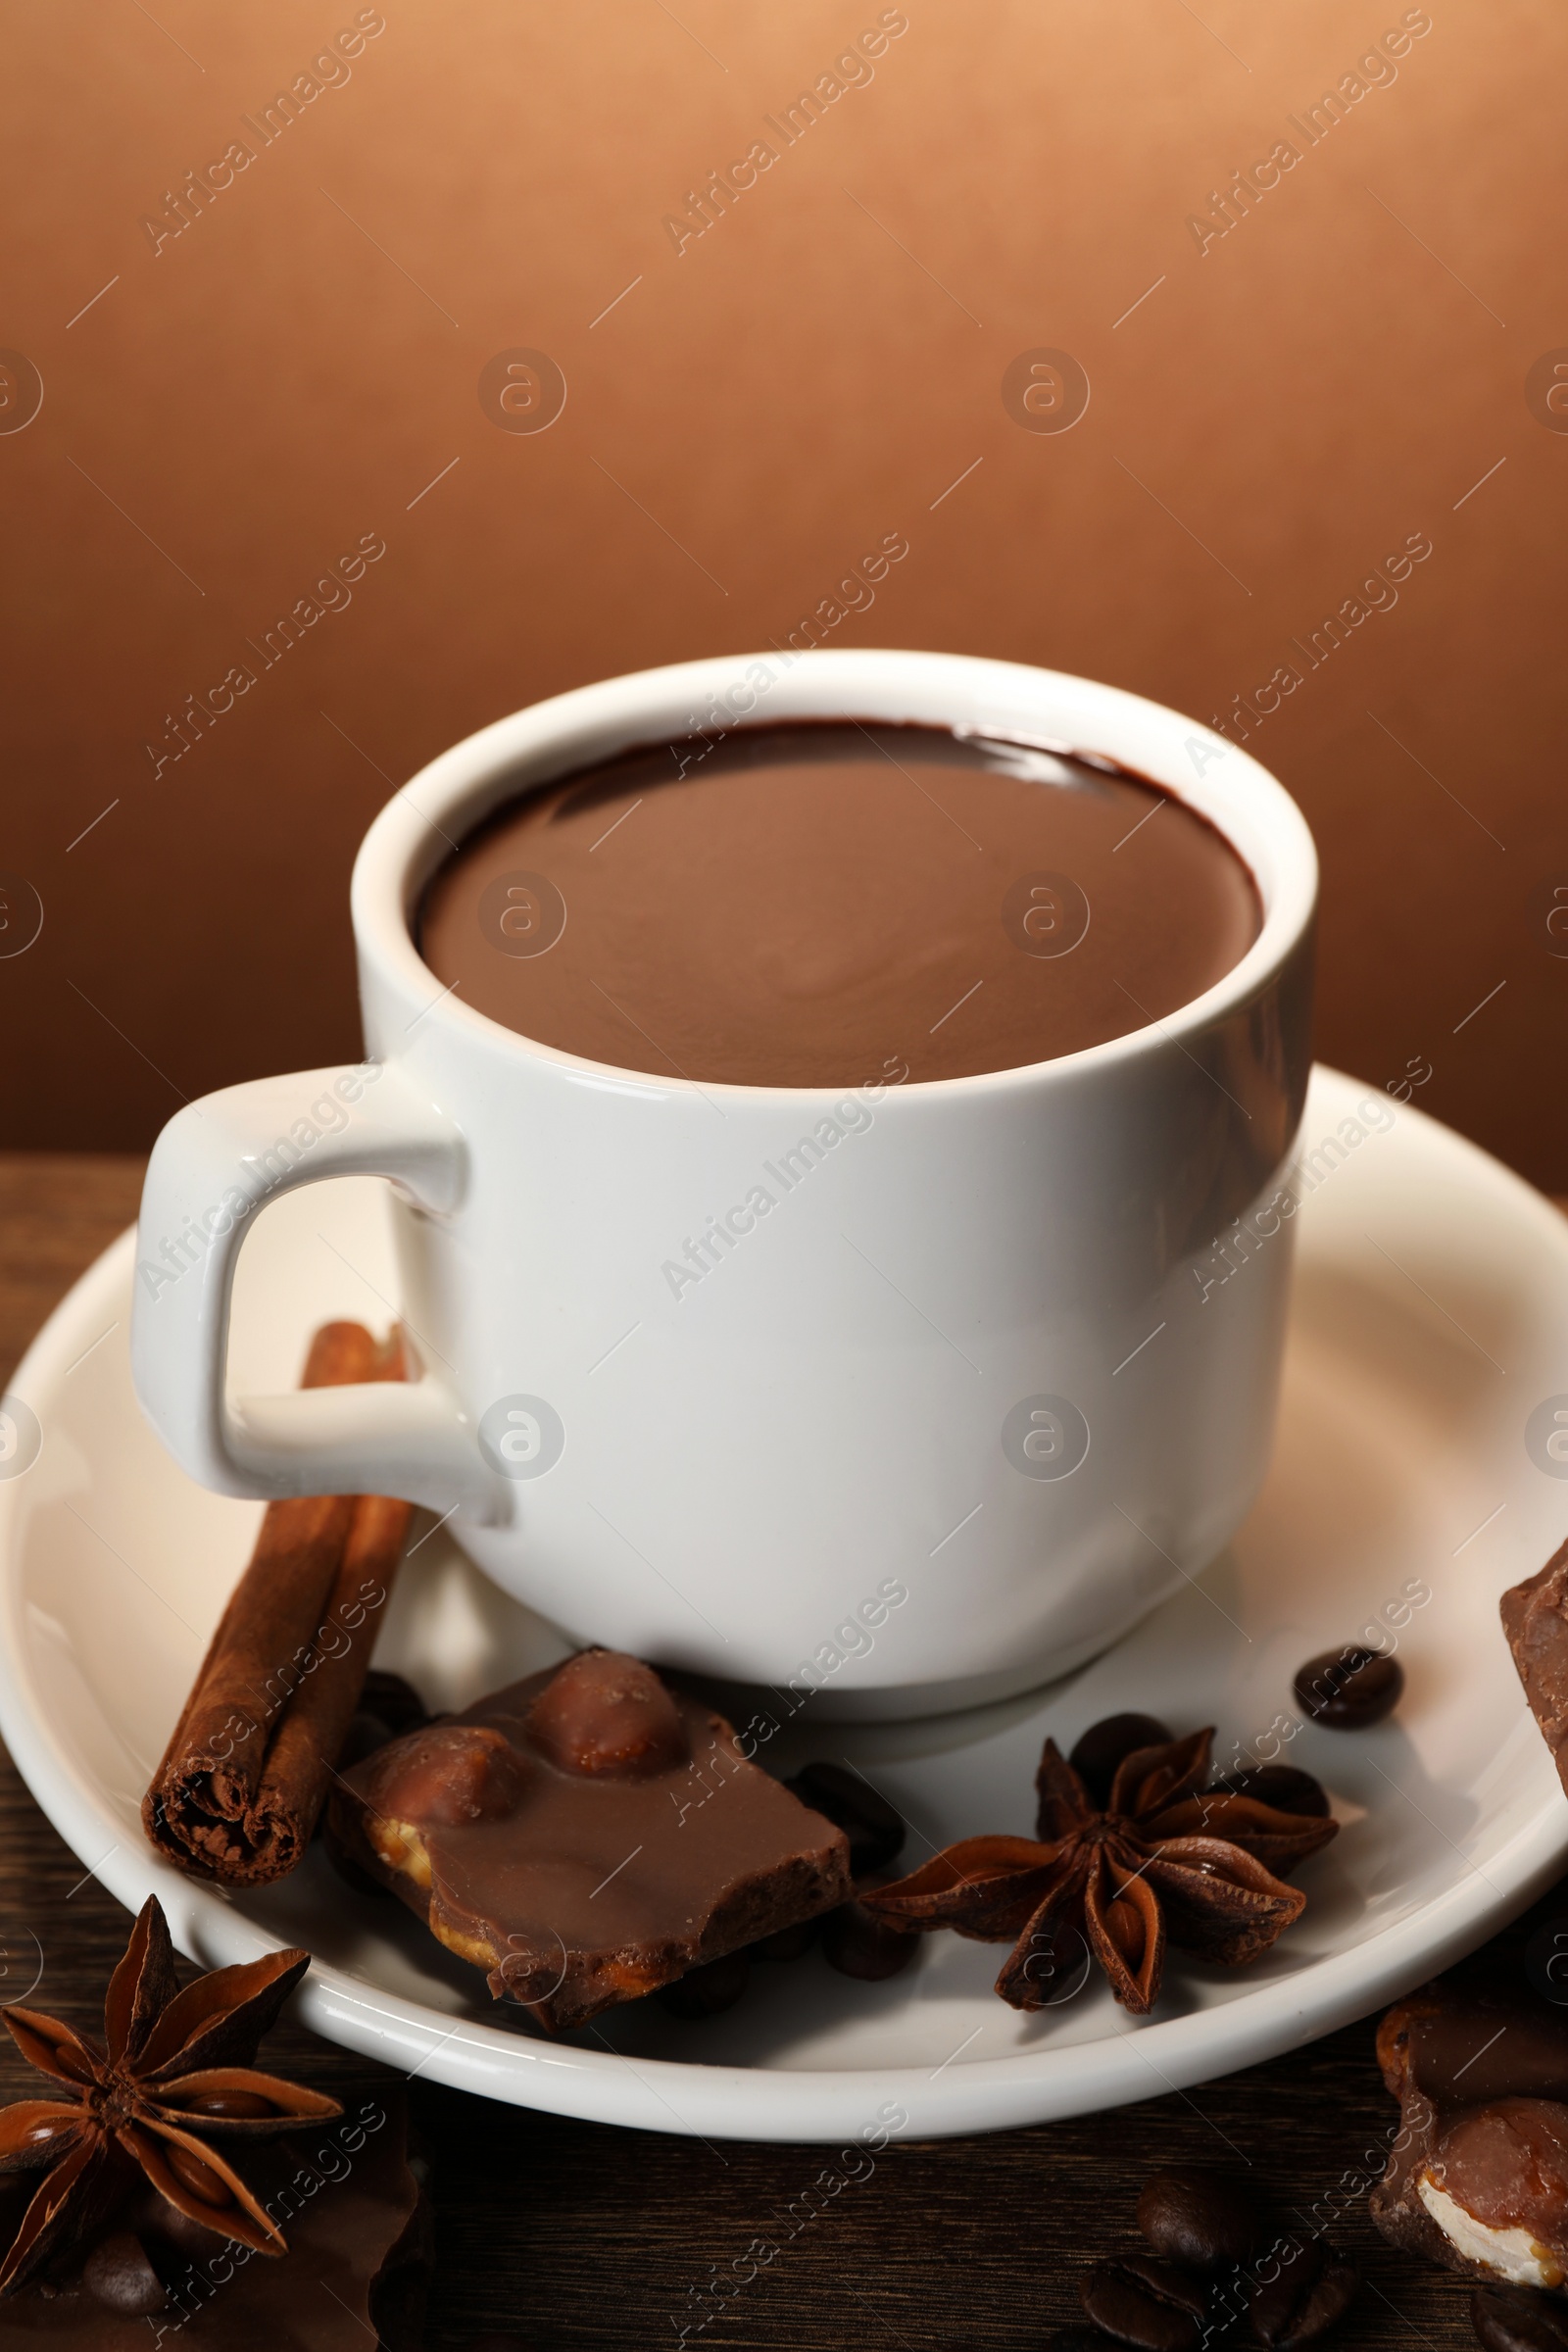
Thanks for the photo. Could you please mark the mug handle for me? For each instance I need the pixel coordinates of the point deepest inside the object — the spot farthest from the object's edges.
(214, 1162)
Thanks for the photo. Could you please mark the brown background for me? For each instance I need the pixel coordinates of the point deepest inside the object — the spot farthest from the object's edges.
(1278, 414)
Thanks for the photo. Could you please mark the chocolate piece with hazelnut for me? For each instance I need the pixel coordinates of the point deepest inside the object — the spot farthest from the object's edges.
(1478, 2176)
(586, 1836)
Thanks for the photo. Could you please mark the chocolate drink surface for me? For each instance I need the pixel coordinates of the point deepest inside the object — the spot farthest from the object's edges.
(817, 903)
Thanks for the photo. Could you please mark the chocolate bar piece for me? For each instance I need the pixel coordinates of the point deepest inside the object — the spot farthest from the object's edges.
(586, 1836)
(357, 2221)
(1478, 2178)
(1534, 1618)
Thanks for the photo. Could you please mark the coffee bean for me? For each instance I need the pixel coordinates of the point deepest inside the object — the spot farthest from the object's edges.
(1198, 2219)
(1346, 1690)
(1324, 2307)
(1515, 2318)
(786, 1943)
(190, 2241)
(351, 1875)
(1149, 2304)
(395, 1701)
(708, 1990)
(1310, 2290)
(874, 1828)
(366, 1734)
(858, 1944)
(1281, 1786)
(118, 2274)
(1103, 1745)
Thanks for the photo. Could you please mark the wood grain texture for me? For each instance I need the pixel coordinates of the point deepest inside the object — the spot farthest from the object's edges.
(58, 1210)
(580, 2238)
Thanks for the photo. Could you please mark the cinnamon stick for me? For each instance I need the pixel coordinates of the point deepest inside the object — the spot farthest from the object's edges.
(244, 1778)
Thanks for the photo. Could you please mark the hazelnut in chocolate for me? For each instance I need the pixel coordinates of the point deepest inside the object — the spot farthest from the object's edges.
(587, 1836)
(1478, 2179)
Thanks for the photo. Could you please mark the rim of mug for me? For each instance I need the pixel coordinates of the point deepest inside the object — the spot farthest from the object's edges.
(410, 838)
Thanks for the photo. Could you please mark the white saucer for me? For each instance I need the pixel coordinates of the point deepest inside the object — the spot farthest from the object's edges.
(1431, 1317)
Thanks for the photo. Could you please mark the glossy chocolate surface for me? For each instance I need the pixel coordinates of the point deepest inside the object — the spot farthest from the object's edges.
(1535, 1620)
(817, 904)
(1481, 2075)
(586, 1836)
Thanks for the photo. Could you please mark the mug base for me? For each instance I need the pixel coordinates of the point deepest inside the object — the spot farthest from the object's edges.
(911, 1702)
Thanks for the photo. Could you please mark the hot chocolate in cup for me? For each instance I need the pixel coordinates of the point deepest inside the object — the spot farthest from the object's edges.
(779, 1323)
(796, 905)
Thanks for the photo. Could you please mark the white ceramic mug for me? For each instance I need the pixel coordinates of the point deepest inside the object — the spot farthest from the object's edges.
(948, 1397)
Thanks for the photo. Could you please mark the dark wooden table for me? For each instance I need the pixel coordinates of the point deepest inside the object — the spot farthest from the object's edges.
(573, 2234)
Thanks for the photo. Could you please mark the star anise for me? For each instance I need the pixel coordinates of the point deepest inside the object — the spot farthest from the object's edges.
(1166, 1861)
(173, 2075)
